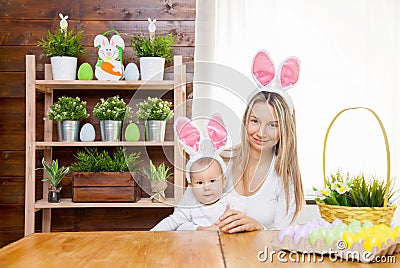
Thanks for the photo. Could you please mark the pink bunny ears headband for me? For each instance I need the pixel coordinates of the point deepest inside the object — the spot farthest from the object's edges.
(263, 71)
(189, 136)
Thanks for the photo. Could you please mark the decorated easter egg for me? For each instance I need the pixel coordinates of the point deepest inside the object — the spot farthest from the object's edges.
(367, 224)
(287, 231)
(337, 222)
(131, 72)
(132, 132)
(371, 242)
(356, 224)
(303, 232)
(331, 236)
(314, 236)
(324, 223)
(87, 132)
(349, 238)
(397, 229)
(85, 72)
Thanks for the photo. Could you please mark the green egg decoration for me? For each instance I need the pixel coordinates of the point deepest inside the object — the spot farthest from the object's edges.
(132, 132)
(85, 72)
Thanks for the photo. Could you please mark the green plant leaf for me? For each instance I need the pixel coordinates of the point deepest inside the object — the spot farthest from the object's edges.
(160, 47)
(55, 174)
(62, 43)
(90, 160)
(155, 173)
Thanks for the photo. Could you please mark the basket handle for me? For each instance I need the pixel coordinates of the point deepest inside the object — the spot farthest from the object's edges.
(385, 203)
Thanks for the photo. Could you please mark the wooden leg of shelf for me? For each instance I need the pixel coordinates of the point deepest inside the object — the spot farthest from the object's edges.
(30, 146)
(46, 220)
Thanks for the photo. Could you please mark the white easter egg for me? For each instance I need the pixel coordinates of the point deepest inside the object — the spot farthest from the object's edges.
(131, 72)
(87, 132)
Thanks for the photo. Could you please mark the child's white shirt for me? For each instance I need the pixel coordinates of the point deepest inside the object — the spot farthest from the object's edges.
(191, 214)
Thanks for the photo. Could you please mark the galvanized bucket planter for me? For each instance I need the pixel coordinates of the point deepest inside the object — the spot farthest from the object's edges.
(155, 130)
(68, 130)
(110, 130)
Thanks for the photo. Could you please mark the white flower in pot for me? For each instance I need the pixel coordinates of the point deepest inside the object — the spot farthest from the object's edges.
(154, 112)
(68, 112)
(111, 113)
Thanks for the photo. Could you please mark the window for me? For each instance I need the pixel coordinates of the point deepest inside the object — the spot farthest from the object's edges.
(350, 54)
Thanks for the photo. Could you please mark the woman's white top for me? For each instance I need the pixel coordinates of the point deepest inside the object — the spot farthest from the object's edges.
(268, 204)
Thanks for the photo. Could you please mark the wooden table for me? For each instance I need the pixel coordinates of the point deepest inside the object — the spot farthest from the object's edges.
(114, 249)
(152, 249)
(254, 249)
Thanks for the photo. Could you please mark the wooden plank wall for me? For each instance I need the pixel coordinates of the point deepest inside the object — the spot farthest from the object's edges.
(22, 23)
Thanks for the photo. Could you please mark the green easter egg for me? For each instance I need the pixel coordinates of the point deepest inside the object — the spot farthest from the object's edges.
(314, 236)
(354, 226)
(132, 132)
(330, 237)
(85, 72)
(367, 224)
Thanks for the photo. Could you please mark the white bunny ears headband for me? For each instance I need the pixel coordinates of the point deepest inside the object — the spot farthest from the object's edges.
(263, 72)
(189, 136)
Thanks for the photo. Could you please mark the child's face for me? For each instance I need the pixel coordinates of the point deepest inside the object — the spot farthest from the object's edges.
(207, 183)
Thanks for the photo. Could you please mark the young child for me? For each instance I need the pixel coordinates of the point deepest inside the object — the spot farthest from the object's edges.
(205, 174)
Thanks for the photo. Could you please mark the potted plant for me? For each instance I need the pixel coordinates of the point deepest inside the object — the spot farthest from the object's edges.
(344, 197)
(111, 113)
(101, 177)
(63, 47)
(154, 112)
(152, 51)
(158, 179)
(55, 174)
(68, 111)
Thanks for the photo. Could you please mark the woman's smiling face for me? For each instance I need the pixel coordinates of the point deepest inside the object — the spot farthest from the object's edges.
(263, 128)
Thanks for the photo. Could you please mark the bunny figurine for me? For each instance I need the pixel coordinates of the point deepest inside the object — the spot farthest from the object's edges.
(109, 65)
(152, 29)
(189, 136)
(63, 22)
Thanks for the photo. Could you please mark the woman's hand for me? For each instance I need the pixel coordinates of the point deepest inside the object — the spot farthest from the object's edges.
(233, 221)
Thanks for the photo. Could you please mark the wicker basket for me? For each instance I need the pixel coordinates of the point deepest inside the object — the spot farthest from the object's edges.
(376, 215)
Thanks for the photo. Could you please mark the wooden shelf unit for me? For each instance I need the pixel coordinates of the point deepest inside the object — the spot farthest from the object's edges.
(47, 86)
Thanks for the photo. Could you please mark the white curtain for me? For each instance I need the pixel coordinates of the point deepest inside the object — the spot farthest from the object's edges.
(350, 56)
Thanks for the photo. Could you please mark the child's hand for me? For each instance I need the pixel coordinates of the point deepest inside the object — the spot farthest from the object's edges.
(208, 228)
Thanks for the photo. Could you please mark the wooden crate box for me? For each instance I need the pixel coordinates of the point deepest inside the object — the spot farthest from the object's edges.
(104, 187)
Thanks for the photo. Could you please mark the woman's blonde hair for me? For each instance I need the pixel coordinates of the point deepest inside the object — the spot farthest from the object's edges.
(286, 164)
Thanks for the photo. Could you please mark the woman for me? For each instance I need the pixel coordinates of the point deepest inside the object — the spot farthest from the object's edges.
(265, 173)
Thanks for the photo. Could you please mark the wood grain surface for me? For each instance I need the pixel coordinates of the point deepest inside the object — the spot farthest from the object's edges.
(157, 249)
(115, 249)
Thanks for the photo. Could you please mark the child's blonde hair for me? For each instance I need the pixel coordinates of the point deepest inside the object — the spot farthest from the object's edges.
(204, 163)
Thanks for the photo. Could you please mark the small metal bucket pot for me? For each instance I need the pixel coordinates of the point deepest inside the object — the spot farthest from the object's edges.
(110, 130)
(68, 130)
(154, 130)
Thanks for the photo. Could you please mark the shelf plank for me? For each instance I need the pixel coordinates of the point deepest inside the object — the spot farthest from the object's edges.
(67, 203)
(45, 145)
(47, 86)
